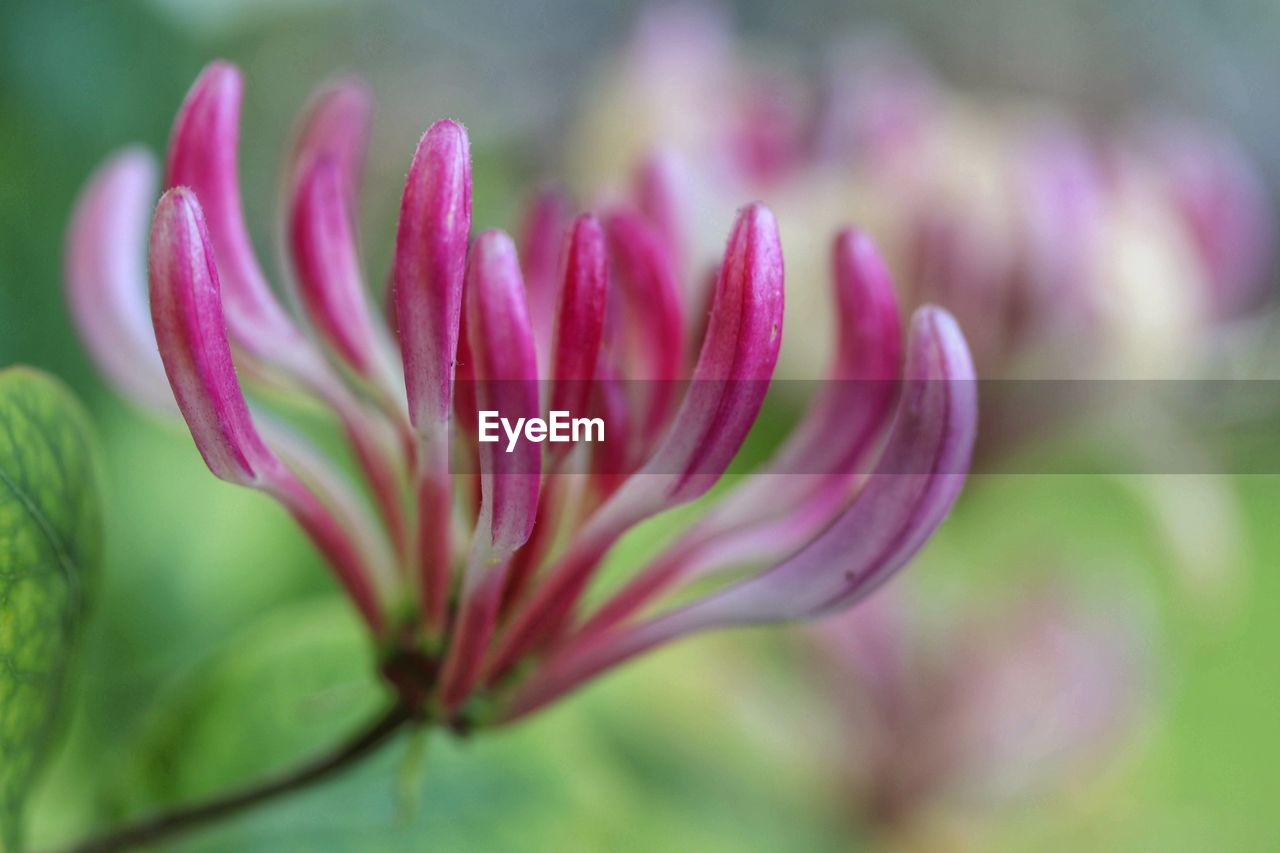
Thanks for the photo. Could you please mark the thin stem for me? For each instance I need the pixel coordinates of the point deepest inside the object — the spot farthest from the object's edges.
(166, 825)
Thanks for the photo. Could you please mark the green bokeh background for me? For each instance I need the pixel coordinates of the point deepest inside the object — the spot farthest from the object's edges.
(219, 647)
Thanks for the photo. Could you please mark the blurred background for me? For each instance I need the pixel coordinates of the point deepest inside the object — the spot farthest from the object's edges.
(1135, 710)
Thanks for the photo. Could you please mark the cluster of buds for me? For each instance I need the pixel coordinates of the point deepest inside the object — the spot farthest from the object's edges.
(471, 562)
(994, 704)
(1064, 252)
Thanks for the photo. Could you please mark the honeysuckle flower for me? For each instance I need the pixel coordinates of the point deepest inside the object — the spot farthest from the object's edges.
(471, 560)
(949, 716)
(1064, 252)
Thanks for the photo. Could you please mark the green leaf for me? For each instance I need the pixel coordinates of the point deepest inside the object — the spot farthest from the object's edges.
(50, 550)
(286, 688)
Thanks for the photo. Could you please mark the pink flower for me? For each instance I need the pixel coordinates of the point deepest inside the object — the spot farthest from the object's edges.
(471, 561)
(990, 704)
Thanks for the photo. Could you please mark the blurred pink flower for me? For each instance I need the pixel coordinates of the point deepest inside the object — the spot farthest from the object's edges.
(1064, 252)
(473, 586)
(998, 702)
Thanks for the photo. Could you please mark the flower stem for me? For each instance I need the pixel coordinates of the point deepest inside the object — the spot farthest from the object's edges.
(184, 819)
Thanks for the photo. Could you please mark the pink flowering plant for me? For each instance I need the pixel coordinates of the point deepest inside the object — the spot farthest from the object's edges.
(474, 563)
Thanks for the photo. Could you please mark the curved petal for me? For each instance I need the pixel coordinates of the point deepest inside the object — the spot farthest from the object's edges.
(735, 365)
(540, 237)
(331, 288)
(106, 277)
(506, 373)
(203, 157)
(335, 126)
(658, 189)
(579, 323)
(917, 480)
(186, 308)
(431, 252)
(647, 322)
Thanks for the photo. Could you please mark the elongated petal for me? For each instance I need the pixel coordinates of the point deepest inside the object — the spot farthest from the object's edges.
(661, 198)
(431, 252)
(502, 347)
(648, 326)
(540, 241)
(579, 317)
(735, 365)
(203, 156)
(186, 308)
(106, 277)
(918, 479)
(856, 403)
(323, 245)
(506, 373)
(335, 126)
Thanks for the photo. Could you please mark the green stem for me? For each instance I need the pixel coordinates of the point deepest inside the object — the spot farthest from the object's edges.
(184, 819)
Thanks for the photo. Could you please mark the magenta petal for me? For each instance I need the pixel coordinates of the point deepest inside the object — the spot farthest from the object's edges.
(736, 363)
(186, 308)
(335, 126)
(579, 317)
(431, 253)
(203, 157)
(540, 238)
(854, 407)
(660, 195)
(919, 476)
(649, 334)
(323, 245)
(106, 277)
(506, 374)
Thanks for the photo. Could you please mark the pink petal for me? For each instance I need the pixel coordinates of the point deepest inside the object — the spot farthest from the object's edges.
(186, 308)
(335, 126)
(431, 251)
(579, 322)
(660, 195)
(203, 157)
(541, 233)
(919, 476)
(1222, 198)
(648, 328)
(106, 277)
(506, 373)
(734, 368)
(331, 287)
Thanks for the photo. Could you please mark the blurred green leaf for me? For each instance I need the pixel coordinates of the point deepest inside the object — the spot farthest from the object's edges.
(50, 549)
(287, 688)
